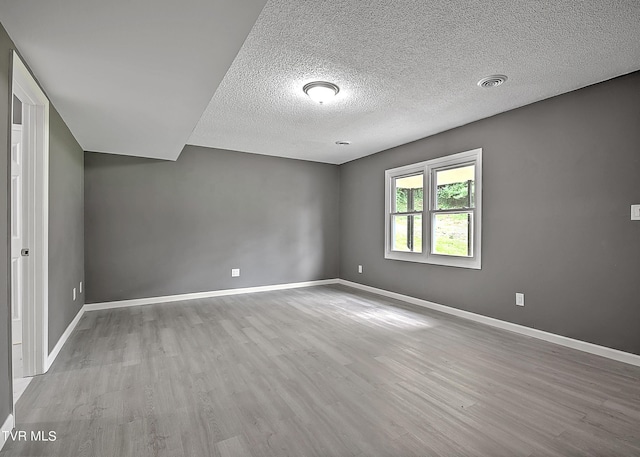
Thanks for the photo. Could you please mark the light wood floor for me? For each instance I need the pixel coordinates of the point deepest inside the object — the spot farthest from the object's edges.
(323, 371)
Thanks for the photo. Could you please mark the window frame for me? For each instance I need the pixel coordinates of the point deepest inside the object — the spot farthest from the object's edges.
(428, 169)
(394, 210)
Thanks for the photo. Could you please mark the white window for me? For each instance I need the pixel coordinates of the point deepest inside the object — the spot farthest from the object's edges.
(434, 211)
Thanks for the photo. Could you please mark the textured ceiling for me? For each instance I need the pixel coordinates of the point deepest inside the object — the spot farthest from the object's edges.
(130, 76)
(406, 69)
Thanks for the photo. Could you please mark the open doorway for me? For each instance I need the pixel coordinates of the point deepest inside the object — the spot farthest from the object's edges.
(29, 163)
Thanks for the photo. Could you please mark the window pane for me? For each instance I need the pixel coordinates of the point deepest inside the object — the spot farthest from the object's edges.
(409, 193)
(451, 234)
(407, 233)
(455, 187)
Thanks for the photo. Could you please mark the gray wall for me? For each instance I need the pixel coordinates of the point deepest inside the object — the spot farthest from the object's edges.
(559, 178)
(17, 111)
(155, 228)
(66, 226)
(66, 243)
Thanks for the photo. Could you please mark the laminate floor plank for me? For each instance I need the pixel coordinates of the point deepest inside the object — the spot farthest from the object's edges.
(321, 372)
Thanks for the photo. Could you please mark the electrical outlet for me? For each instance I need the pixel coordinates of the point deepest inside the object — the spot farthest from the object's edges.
(80, 286)
(74, 294)
(235, 272)
(359, 268)
(635, 212)
(519, 299)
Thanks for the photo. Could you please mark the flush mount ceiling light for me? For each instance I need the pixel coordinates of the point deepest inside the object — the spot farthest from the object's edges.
(492, 81)
(321, 91)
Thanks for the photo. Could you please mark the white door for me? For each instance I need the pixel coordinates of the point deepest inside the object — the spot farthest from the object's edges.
(17, 232)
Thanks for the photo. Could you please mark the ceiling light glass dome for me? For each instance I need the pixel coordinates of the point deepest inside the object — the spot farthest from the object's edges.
(321, 91)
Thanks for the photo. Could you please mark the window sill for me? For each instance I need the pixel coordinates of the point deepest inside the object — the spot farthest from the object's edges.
(434, 259)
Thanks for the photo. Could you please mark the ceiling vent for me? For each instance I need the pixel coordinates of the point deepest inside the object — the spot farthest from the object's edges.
(492, 81)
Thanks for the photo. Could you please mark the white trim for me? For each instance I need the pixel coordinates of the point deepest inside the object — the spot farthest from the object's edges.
(620, 356)
(63, 339)
(36, 305)
(427, 168)
(171, 298)
(389, 191)
(198, 295)
(6, 427)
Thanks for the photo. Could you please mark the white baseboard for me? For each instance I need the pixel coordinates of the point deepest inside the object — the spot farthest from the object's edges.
(198, 295)
(170, 298)
(591, 348)
(63, 339)
(6, 427)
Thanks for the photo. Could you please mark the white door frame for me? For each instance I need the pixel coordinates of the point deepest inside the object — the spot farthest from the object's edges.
(35, 330)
